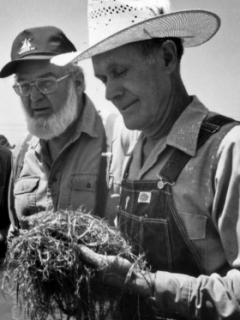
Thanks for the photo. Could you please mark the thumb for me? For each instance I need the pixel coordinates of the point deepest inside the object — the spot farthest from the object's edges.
(92, 257)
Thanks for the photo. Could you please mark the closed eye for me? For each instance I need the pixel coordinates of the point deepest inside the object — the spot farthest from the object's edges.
(116, 72)
(119, 72)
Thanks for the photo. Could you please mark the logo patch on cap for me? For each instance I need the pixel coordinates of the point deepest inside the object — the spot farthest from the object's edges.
(26, 46)
(144, 197)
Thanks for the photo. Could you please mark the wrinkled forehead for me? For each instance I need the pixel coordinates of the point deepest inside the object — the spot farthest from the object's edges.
(33, 69)
(121, 55)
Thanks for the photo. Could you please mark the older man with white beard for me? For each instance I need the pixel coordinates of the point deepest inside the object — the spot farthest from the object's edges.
(66, 162)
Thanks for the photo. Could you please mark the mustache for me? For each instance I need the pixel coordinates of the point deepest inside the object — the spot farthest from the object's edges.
(48, 127)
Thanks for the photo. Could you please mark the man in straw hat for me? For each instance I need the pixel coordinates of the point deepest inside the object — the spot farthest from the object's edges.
(66, 161)
(179, 203)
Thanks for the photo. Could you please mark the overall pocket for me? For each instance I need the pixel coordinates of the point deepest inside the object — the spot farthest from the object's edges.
(149, 237)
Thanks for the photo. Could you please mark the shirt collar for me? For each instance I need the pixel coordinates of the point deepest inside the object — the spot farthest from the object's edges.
(185, 131)
(87, 123)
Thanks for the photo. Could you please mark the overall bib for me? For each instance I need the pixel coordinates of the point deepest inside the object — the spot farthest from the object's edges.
(147, 217)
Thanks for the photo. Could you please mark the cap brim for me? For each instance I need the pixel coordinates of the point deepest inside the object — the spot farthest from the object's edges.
(194, 27)
(65, 58)
(11, 67)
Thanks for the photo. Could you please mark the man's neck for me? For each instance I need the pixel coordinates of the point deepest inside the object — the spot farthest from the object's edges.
(177, 103)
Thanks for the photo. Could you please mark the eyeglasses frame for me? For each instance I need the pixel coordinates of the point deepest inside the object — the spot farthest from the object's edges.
(34, 84)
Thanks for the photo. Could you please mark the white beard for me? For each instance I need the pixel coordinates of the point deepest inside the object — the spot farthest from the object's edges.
(47, 128)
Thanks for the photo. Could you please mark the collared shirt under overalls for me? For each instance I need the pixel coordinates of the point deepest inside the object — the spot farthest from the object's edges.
(148, 218)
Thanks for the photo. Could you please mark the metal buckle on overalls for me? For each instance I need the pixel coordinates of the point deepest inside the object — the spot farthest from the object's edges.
(161, 184)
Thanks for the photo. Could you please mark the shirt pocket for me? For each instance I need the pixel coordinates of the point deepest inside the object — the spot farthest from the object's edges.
(25, 195)
(82, 192)
(83, 182)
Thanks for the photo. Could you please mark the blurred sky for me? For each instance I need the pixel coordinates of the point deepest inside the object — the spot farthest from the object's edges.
(210, 71)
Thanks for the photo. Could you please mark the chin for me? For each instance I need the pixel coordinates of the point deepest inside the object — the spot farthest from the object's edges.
(131, 123)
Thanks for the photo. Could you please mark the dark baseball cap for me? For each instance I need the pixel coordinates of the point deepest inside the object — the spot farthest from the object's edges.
(41, 43)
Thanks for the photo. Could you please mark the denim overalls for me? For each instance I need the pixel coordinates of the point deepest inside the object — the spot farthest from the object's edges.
(148, 218)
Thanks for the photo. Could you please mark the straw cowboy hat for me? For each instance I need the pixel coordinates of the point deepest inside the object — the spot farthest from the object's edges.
(113, 23)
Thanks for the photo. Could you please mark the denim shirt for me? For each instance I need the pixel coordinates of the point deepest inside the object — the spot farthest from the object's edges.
(206, 197)
(73, 179)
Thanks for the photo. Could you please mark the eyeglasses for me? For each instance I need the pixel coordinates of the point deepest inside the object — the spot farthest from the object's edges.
(44, 85)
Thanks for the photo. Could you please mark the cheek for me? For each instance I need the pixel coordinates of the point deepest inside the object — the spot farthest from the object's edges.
(149, 97)
(25, 104)
(151, 104)
(146, 87)
(58, 100)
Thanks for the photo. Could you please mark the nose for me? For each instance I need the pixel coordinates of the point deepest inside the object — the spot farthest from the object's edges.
(35, 94)
(113, 90)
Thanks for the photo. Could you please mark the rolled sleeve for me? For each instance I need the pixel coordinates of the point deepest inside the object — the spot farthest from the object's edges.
(206, 297)
(172, 292)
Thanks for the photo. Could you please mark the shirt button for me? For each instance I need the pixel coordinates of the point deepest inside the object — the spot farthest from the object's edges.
(146, 215)
(88, 185)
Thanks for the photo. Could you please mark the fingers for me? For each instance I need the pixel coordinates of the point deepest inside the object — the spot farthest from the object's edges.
(112, 270)
(92, 257)
(119, 272)
(109, 263)
(118, 264)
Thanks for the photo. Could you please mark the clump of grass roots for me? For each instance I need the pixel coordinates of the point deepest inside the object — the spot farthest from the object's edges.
(45, 270)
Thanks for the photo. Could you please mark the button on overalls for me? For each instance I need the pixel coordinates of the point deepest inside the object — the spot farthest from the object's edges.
(148, 218)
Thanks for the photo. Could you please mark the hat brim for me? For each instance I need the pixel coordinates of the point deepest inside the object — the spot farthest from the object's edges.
(194, 27)
(11, 67)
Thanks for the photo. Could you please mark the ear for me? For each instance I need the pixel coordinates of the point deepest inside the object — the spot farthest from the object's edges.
(169, 54)
(79, 82)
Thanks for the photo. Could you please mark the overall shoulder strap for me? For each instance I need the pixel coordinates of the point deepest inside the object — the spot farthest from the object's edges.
(179, 159)
(18, 156)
